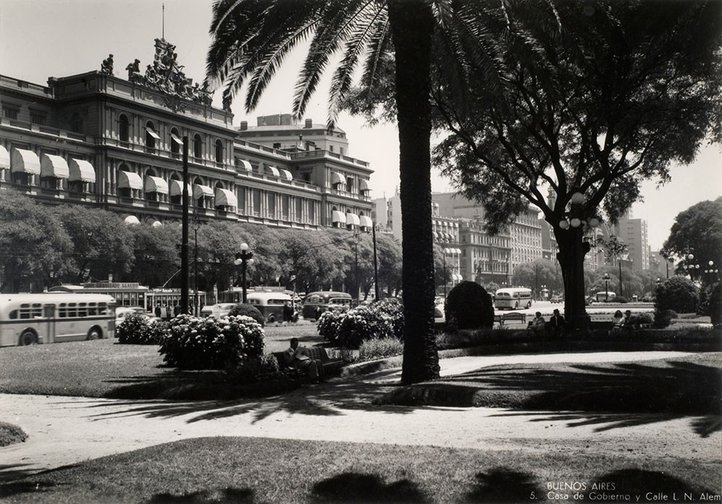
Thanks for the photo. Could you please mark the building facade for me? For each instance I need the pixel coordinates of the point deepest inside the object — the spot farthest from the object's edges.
(101, 140)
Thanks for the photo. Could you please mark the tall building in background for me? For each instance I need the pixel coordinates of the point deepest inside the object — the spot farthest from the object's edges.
(633, 232)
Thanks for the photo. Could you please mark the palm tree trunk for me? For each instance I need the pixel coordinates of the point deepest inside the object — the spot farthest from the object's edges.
(412, 25)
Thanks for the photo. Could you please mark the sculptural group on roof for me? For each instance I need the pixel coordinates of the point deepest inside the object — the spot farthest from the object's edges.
(166, 75)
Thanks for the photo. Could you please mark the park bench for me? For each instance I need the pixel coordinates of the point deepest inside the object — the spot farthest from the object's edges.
(327, 365)
(510, 317)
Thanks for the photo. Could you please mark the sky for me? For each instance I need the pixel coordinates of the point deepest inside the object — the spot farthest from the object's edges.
(43, 38)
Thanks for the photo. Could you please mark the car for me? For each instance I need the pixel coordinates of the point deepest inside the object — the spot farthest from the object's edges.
(123, 311)
(556, 299)
(439, 316)
(217, 310)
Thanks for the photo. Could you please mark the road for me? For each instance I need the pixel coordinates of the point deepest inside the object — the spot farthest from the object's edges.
(67, 430)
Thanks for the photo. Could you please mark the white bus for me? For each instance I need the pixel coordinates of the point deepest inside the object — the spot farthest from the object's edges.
(26, 319)
(513, 298)
(605, 296)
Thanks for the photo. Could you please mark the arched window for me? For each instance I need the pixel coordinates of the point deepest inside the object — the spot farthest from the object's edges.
(175, 143)
(123, 128)
(150, 137)
(219, 151)
(197, 146)
(76, 123)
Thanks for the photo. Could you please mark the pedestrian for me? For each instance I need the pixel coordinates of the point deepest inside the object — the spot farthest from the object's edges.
(177, 309)
(157, 310)
(556, 323)
(287, 313)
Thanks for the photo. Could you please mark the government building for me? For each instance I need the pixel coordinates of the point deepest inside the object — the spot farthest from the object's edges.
(116, 143)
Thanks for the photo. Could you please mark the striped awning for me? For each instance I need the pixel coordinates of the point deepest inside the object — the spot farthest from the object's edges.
(352, 218)
(81, 170)
(338, 216)
(156, 185)
(200, 191)
(246, 165)
(273, 171)
(152, 133)
(131, 220)
(225, 197)
(176, 188)
(366, 221)
(436, 235)
(285, 174)
(337, 178)
(130, 180)
(177, 140)
(4, 157)
(54, 166)
(25, 161)
(363, 185)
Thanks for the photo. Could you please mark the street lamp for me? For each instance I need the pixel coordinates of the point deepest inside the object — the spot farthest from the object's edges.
(606, 278)
(242, 259)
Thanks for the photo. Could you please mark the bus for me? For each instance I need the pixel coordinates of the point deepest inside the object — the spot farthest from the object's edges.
(27, 319)
(315, 303)
(512, 298)
(605, 296)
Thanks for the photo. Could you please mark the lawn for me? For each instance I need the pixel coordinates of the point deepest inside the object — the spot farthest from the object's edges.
(104, 368)
(255, 470)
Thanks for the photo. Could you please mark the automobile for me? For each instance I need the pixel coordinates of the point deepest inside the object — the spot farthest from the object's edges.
(556, 298)
(217, 310)
(439, 316)
(123, 311)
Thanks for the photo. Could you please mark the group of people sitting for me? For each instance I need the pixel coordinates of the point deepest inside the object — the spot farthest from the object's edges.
(297, 357)
(555, 325)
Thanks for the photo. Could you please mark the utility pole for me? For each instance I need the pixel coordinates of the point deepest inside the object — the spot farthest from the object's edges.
(184, 232)
(376, 264)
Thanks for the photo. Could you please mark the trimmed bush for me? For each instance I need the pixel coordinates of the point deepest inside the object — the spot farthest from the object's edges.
(715, 305)
(621, 299)
(11, 434)
(247, 310)
(678, 294)
(348, 329)
(255, 369)
(469, 306)
(198, 343)
(663, 318)
(328, 324)
(394, 310)
(135, 330)
(380, 348)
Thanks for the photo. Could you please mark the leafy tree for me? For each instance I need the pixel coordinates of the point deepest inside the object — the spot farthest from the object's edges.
(35, 248)
(388, 252)
(537, 273)
(677, 293)
(698, 230)
(102, 244)
(595, 98)
(250, 40)
(156, 253)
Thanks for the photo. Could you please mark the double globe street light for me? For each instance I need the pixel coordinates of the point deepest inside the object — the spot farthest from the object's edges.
(242, 259)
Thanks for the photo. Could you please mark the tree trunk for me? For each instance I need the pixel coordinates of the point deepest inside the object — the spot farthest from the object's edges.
(571, 260)
(412, 25)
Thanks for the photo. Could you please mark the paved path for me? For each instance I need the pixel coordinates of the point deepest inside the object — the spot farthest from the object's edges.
(67, 430)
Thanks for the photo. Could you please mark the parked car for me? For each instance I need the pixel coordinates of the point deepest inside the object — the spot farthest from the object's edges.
(217, 310)
(439, 316)
(123, 311)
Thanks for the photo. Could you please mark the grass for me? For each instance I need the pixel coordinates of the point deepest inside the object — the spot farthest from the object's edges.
(245, 470)
(11, 434)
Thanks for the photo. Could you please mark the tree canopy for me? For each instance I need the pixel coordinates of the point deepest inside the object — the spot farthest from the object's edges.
(697, 230)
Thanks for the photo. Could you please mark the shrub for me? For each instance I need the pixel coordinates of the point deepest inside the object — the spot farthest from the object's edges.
(469, 306)
(135, 330)
(382, 319)
(678, 294)
(380, 348)
(255, 369)
(394, 310)
(715, 304)
(621, 299)
(328, 324)
(248, 310)
(197, 343)
(662, 318)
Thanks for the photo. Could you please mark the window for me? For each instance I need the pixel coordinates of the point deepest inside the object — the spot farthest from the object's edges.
(175, 143)
(76, 123)
(37, 117)
(285, 200)
(219, 151)
(330, 148)
(10, 112)
(349, 184)
(197, 146)
(123, 128)
(277, 145)
(150, 137)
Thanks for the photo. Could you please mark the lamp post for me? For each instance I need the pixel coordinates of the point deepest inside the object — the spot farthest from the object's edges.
(242, 259)
(376, 264)
(444, 270)
(606, 287)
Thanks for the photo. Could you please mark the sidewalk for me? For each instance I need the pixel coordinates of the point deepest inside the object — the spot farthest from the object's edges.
(67, 430)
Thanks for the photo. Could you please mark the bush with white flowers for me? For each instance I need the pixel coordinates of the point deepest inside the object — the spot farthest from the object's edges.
(348, 329)
(206, 343)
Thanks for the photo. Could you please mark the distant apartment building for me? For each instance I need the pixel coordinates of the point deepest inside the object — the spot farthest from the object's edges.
(633, 232)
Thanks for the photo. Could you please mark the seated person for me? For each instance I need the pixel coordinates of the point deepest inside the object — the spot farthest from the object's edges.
(537, 324)
(297, 357)
(556, 323)
(618, 318)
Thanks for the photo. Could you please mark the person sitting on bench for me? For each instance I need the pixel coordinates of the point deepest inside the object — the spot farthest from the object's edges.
(297, 357)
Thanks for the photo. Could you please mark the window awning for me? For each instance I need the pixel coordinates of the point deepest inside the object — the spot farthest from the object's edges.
(363, 185)
(176, 188)
(225, 197)
(286, 175)
(337, 178)
(338, 216)
(152, 133)
(352, 218)
(156, 185)
(273, 171)
(54, 166)
(436, 235)
(366, 221)
(157, 224)
(81, 170)
(25, 161)
(176, 139)
(4, 157)
(200, 191)
(131, 220)
(130, 180)
(246, 165)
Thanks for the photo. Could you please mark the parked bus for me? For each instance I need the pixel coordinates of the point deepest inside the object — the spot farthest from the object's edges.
(605, 296)
(270, 304)
(26, 319)
(513, 298)
(315, 303)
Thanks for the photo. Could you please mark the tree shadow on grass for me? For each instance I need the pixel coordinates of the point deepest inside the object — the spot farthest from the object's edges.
(355, 487)
(618, 395)
(504, 485)
(223, 496)
(641, 482)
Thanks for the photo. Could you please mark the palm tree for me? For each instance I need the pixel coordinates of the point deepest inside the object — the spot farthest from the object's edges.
(250, 40)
